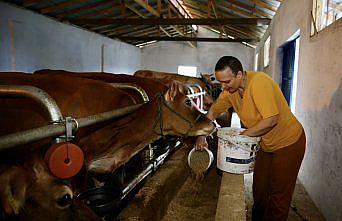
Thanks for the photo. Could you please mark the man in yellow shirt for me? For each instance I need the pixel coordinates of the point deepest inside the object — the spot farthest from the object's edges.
(262, 108)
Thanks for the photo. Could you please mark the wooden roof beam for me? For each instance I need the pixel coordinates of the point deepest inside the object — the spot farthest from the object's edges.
(133, 32)
(59, 6)
(157, 38)
(130, 7)
(174, 21)
(264, 5)
(240, 30)
(83, 8)
(28, 3)
(147, 7)
(102, 11)
(254, 10)
(218, 6)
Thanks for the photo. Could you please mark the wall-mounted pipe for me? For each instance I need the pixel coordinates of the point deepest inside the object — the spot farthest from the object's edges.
(24, 137)
(45, 100)
(133, 87)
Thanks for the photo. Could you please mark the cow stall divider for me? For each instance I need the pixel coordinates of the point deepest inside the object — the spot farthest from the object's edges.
(197, 97)
(135, 87)
(58, 126)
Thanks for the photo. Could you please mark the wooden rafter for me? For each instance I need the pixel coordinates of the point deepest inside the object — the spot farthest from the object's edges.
(27, 3)
(253, 10)
(180, 15)
(82, 9)
(157, 38)
(101, 12)
(175, 21)
(59, 6)
(240, 30)
(146, 6)
(143, 16)
(130, 32)
(264, 5)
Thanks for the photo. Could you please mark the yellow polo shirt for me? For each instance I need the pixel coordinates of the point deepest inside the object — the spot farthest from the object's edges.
(262, 98)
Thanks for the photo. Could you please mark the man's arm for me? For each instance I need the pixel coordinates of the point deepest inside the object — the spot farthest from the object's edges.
(262, 127)
(221, 105)
(201, 142)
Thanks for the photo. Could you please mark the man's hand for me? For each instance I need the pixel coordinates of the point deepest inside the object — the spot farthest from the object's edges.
(201, 143)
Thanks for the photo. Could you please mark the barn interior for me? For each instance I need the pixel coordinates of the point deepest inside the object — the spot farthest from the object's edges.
(72, 45)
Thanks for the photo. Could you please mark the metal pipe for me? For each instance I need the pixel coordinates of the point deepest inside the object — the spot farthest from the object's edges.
(149, 169)
(20, 138)
(134, 87)
(137, 180)
(45, 100)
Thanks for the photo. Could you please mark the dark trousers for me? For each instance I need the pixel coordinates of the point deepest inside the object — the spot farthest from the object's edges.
(274, 180)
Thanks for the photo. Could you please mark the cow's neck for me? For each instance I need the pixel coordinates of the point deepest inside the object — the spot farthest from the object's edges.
(143, 129)
(129, 140)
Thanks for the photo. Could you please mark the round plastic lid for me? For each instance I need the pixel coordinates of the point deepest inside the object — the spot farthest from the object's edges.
(64, 160)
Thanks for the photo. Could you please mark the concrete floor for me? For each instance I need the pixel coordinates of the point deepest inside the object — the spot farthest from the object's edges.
(193, 200)
(302, 207)
(198, 201)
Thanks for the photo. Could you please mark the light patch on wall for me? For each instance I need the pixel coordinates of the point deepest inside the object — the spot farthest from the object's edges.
(267, 51)
(256, 58)
(187, 70)
(295, 74)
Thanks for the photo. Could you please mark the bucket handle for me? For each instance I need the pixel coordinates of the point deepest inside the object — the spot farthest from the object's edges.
(243, 146)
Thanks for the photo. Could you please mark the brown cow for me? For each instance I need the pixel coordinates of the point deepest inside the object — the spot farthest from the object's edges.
(110, 146)
(124, 138)
(76, 97)
(207, 82)
(150, 86)
(166, 78)
(30, 192)
(27, 187)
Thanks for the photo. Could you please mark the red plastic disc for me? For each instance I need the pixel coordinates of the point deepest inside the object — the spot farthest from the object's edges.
(64, 160)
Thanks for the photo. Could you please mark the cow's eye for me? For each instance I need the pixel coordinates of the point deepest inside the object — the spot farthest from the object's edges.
(188, 102)
(64, 201)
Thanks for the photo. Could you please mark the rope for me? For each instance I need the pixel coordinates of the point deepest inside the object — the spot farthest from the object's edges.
(159, 116)
(161, 101)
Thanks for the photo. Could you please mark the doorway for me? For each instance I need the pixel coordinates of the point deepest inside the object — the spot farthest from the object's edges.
(290, 51)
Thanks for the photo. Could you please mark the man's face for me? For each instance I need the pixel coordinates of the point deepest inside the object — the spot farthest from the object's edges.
(228, 80)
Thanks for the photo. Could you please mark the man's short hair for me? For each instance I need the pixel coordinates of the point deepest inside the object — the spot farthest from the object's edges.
(229, 61)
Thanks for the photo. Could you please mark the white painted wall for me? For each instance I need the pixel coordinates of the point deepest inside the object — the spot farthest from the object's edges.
(319, 100)
(29, 41)
(166, 56)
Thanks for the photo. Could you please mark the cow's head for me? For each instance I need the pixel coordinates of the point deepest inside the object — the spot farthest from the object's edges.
(180, 115)
(212, 86)
(30, 192)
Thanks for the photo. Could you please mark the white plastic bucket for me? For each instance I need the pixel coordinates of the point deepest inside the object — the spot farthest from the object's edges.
(236, 153)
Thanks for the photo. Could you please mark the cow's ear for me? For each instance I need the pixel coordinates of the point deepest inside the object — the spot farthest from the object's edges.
(13, 184)
(174, 88)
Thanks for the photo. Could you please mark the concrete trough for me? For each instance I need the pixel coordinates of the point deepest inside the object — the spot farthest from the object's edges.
(168, 186)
